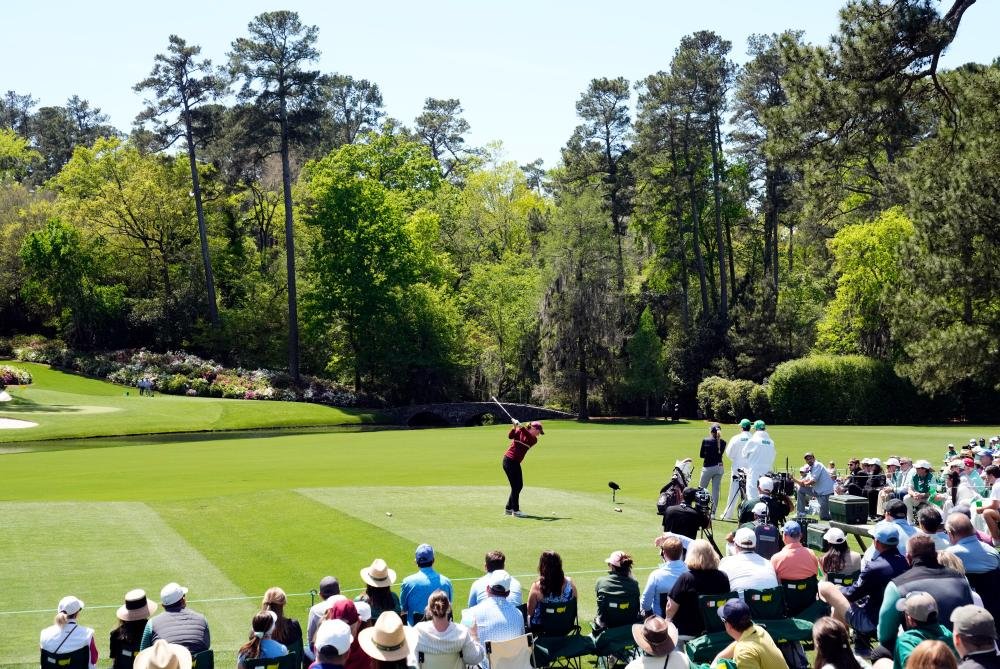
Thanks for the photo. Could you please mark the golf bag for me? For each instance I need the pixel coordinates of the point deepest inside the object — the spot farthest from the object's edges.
(673, 492)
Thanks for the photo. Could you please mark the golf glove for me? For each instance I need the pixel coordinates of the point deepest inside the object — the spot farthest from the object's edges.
(516, 422)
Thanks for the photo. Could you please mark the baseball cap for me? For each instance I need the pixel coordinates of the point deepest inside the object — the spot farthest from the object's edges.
(745, 423)
(885, 533)
(972, 620)
(968, 462)
(335, 633)
(615, 559)
(896, 508)
(745, 538)
(804, 468)
(760, 509)
(69, 605)
(892, 461)
(172, 593)
(834, 535)
(792, 529)
(866, 461)
(344, 609)
(715, 427)
(766, 483)
(424, 554)
(918, 604)
(759, 425)
(364, 610)
(957, 462)
(498, 580)
(734, 611)
(538, 424)
(922, 464)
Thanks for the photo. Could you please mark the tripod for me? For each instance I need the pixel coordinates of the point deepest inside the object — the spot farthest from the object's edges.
(707, 534)
(739, 490)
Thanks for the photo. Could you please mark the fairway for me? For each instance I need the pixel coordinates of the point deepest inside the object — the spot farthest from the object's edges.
(231, 514)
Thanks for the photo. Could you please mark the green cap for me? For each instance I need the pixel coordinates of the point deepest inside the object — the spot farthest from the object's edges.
(745, 423)
(759, 425)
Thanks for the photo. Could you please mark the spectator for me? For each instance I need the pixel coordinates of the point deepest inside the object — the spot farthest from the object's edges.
(437, 634)
(177, 624)
(329, 592)
(794, 562)
(777, 510)
(978, 558)
(333, 642)
(417, 587)
(389, 642)
(163, 655)
(378, 594)
(816, 481)
(901, 483)
(552, 586)
(64, 635)
(618, 584)
(948, 588)
(923, 486)
(357, 658)
(746, 569)
(975, 637)
(831, 639)
(132, 618)
(683, 518)
(991, 509)
(932, 655)
(287, 631)
(495, 618)
(657, 638)
(712, 449)
(494, 560)
(876, 481)
(260, 643)
(920, 623)
(701, 578)
(931, 524)
(839, 558)
(893, 478)
(661, 580)
(895, 515)
(858, 605)
(752, 646)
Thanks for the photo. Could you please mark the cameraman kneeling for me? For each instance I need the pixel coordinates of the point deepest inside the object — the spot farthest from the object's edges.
(684, 518)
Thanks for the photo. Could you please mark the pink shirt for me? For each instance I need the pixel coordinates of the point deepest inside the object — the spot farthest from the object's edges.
(795, 562)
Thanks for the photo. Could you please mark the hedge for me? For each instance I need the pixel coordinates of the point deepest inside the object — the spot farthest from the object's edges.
(729, 400)
(12, 376)
(849, 389)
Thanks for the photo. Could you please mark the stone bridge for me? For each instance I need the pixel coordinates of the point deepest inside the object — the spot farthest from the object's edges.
(467, 414)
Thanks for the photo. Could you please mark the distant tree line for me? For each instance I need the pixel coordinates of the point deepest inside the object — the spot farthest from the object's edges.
(711, 219)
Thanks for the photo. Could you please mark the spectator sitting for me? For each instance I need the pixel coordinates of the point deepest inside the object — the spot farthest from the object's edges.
(991, 509)
(378, 579)
(260, 644)
(923, 487)
(389, 642)
(794, 562)
(920, 624)
(953, 562)
(333, 642)
(618, 584)
(495, 618)
(929, 654)
(964, 509)
(417, 587)
(132, 618)
(329, 592)
(839, 558)
(895, 515)
(831, 639)
(661, 580)
(931, 524)
(701, 578)
(177, 624)
(552, 586)
(437, 634)
(657, 638)
(978, 557)
(746, 569)
(494, 560)
(975, 638)
(64, 635)
(347, 611)
(163, 655)
(286, 631)
(752, 646)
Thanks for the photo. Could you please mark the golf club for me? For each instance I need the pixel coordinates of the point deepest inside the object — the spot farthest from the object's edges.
(492, 397)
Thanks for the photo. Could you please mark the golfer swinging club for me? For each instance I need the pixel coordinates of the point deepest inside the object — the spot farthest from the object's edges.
(522, 438)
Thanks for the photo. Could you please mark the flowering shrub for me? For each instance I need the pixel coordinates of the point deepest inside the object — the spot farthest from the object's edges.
(12, 376)
(180, 373)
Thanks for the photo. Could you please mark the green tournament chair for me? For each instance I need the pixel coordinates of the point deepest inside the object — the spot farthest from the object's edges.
(77, 659)
(203, 660)
(705, 647)
(558, 639)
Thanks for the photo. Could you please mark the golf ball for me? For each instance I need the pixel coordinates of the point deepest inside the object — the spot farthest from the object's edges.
(618, 509)
(388, 513)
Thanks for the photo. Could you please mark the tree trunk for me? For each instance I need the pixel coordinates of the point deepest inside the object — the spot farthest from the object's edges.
(699, 261)
(719, 242)
(581, 373)
(647, 406)
(791, 248)
(293, 316)
(213, 309)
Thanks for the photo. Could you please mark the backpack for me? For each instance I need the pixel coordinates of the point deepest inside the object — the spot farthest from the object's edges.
(768, 540)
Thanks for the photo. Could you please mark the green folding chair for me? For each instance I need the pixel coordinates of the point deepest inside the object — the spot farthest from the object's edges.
(203, 660)
(802, 599)
(843, 579)
(768, 610)
(559, 642)
(615, 645)
(616, 611)
(705, 647)
(77, 659)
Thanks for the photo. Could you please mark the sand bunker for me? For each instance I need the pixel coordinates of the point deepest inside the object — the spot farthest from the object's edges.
(12, 424)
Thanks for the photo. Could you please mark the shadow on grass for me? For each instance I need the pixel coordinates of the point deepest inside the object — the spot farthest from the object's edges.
(22, 405)
(544, 519)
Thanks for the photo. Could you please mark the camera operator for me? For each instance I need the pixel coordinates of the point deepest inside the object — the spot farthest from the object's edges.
(684, 518)
(777, 509)
(815, 481)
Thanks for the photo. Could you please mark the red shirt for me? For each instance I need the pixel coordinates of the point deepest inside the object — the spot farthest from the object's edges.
(522, 441)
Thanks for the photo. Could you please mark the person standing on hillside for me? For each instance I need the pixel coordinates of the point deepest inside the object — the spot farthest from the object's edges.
(522, 438)
(712, 448)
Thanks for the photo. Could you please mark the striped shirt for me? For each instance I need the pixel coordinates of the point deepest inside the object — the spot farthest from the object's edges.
(455, 639)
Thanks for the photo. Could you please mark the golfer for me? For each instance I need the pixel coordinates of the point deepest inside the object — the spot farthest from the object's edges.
(522, 438)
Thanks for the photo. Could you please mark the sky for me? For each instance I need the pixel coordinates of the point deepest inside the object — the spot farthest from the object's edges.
(517, 66)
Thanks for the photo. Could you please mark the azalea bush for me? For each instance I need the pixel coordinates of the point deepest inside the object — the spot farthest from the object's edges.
(12, 376)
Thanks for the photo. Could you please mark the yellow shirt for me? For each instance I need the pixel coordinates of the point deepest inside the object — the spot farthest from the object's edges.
(755, 649)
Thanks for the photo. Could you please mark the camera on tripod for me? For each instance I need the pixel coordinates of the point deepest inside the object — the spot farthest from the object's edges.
(703, 502)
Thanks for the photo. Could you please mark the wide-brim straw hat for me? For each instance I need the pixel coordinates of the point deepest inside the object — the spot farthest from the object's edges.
(136, 607)
(388, 640)
(378, 575)
(163, 655)
(656, 636)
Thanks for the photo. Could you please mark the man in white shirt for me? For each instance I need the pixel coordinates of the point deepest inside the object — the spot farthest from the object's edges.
(746, 569)
(735, 452)
(991, 506)
(759, 453)
(329, 593)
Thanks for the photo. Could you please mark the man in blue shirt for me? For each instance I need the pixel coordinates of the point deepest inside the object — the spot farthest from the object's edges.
(661, 580)
(417, 587)
(817, 481)
(977, 557)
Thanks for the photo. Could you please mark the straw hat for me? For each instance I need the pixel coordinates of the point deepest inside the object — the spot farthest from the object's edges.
(136, 606)
(163, 655)
(388, 640)
(656, 636)
(378, 575)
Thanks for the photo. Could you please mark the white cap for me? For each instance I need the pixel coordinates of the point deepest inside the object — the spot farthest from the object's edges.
(804, 468)
(876, 461)
(334, 633)
(922, 464)
(766, 483)
(69, 605)
(892, 461)
(745, 538)
(497, 580)
(866, 461)
(364, 610)
(760, 509)
(172, 593)
(834, 535)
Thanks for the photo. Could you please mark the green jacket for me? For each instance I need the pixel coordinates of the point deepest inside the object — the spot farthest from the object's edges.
(910, 639)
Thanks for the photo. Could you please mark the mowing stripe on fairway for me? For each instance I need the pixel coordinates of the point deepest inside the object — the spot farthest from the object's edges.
(97, 551)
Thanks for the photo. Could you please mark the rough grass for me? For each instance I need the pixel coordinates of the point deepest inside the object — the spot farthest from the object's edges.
(231, 514)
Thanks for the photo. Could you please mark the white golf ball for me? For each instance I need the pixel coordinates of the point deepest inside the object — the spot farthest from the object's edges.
(388, 513)
(618, 509)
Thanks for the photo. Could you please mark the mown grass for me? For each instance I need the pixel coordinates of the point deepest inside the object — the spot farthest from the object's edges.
(231, 514)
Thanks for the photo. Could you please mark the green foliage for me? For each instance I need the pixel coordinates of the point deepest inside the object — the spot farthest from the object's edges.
(839, 390)
(730, 400)
(645, 377)
(16, 156)
(13, 376)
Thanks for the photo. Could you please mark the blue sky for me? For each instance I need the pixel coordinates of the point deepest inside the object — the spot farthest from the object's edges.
(517, 66)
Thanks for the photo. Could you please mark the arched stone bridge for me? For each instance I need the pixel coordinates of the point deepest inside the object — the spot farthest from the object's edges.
(465, 414)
